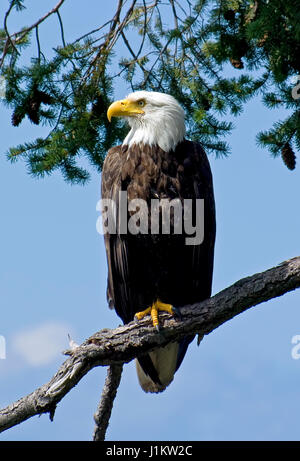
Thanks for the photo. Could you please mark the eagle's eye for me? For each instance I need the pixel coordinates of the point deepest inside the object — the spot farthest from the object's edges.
(141, 103)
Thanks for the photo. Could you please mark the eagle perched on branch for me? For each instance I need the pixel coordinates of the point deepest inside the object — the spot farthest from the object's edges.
(154, 265)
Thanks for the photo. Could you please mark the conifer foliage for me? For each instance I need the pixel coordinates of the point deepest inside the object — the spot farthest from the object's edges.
(212, 55)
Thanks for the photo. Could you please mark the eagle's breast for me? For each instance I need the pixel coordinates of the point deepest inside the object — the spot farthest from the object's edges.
(148, 172)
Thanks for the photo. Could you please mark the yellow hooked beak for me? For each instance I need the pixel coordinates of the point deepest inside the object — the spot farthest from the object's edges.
(124, 108)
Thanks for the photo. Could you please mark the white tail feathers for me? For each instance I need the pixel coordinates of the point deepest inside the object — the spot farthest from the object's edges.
(164, 360)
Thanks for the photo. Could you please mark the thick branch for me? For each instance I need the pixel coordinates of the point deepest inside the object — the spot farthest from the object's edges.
(112, 347)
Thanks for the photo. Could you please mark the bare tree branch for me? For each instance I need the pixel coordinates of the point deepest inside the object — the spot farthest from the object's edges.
(111, 37)
(112, 347)
(39, 21)
(11, 39)
(108, 396)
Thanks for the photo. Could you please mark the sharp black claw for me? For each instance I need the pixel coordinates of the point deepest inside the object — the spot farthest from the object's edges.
(177, 312)
(160, 330)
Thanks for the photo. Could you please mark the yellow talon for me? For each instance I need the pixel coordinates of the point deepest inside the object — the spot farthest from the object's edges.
(141, 315)
(153, 310)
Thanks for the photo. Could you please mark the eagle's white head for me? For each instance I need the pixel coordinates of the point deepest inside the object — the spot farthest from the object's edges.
(155, 119)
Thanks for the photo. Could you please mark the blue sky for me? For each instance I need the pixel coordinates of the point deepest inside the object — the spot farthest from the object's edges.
(240, 384)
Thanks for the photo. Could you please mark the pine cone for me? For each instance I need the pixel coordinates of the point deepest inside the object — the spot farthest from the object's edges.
(229, 15)
(33, 110)
(17, 117)
(43, 97)
(288, 156)
(98, 106)
(241, 48)
(206, 103)
(237, 63)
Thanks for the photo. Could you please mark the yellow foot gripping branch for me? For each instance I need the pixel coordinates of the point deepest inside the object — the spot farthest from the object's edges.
(153, 311)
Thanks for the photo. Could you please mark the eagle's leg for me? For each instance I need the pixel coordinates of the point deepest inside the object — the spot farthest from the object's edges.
(154, 309)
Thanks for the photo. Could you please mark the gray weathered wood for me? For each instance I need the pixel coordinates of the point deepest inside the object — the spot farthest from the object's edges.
(109, 392)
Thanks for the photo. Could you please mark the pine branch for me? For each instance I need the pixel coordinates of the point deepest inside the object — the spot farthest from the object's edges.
(123, 344)
(184, 56)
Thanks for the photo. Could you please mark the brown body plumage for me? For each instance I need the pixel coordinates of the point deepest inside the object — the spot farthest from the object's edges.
(146, 267)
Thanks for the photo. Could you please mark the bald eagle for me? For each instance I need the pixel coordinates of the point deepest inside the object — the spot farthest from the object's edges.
(153, 271)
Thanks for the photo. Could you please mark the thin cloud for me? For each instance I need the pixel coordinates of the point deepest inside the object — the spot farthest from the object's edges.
(42, 344)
